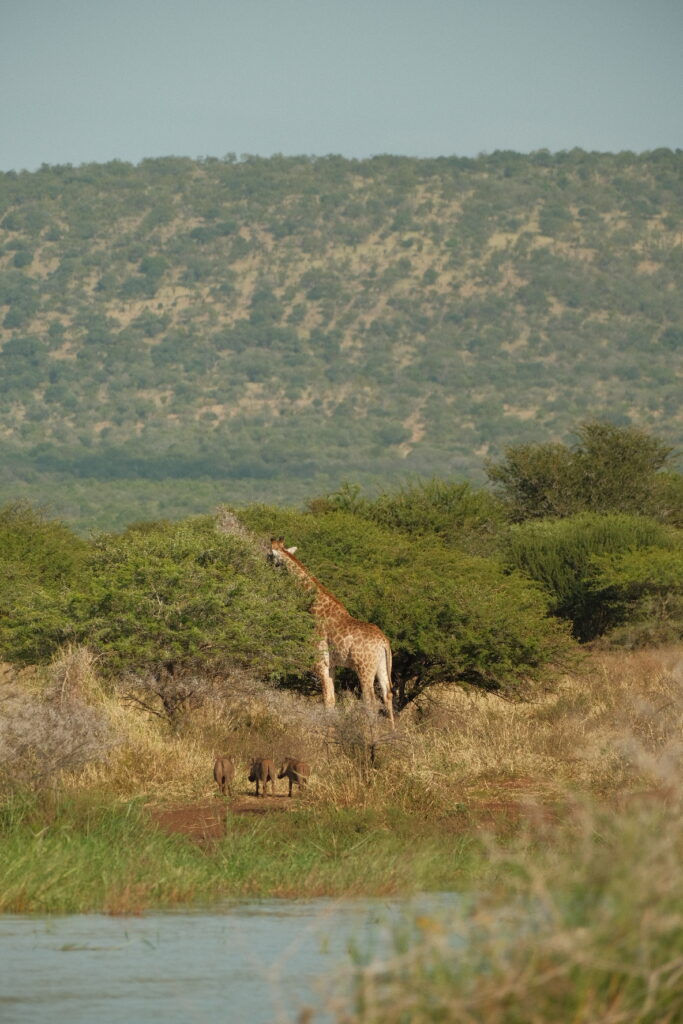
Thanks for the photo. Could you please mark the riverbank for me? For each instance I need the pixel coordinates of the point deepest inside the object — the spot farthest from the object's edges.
(80, 854)
(427, 808)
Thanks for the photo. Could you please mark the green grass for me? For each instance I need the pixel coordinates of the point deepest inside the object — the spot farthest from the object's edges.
(79, 855)
(76, 855)
(587, 929)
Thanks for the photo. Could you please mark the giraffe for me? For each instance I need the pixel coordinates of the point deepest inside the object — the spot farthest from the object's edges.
(344, 642)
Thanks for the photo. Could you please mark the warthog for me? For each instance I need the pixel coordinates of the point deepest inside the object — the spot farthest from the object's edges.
(223, 773)
(295, 771)
(262, 770)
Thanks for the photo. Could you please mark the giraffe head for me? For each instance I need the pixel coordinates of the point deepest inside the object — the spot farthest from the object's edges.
(278, 550)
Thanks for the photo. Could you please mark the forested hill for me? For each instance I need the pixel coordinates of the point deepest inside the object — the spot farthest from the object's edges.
(182, 332)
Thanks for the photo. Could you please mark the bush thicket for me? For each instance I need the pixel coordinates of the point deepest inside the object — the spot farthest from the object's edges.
(563, 555)
(643, 590)
(451, 616)
(451, 510)
(159, 598)
(40, 560)
(611, 469)
(181, 597)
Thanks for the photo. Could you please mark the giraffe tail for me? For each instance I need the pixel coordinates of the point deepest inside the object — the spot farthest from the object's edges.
(387, 656)
(390, 696)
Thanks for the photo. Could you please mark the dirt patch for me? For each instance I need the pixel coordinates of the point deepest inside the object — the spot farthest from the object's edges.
(205, 822)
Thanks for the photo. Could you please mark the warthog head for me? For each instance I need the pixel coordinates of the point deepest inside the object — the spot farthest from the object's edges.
(287, 766)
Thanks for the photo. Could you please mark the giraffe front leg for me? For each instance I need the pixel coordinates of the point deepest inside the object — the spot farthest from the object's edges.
(324, 674)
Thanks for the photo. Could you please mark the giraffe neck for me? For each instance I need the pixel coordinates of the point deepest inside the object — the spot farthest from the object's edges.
(326, 605)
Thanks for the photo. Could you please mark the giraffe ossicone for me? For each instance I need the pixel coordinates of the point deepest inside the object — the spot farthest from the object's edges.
(343, 641)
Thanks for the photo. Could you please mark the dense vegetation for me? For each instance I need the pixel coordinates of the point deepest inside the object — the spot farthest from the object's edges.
(139, 655)
(471, 588)
(181, 332)
(169, 607)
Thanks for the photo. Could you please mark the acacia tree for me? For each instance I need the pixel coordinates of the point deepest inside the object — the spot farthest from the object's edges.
(451, 617)
(40, 560)
(181, 597)
(610, 469)
(645, 592)
(562, 554)
(169, 609)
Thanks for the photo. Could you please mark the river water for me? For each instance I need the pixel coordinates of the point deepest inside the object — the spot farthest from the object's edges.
(258, 963)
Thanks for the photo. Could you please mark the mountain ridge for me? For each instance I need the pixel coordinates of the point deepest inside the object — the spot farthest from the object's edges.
(272, 326)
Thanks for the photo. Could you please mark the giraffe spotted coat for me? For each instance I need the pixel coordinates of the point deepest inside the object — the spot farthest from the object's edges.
(344, 642)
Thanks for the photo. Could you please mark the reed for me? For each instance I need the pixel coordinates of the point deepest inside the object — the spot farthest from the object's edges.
(589, 928)
(77, 854)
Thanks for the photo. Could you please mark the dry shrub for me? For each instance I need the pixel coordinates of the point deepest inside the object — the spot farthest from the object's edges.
(73, 673)
(43, 734)
(615, 726)
(228, 522)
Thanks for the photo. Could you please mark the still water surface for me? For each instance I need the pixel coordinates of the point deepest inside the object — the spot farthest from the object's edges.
(256, 963)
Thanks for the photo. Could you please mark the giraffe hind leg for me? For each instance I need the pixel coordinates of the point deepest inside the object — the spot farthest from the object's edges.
(385, 688)
(367, 688)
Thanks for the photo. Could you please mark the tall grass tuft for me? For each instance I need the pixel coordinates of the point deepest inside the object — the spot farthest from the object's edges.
(586, 929)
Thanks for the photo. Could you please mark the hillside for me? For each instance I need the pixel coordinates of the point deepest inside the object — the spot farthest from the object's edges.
(183, 332)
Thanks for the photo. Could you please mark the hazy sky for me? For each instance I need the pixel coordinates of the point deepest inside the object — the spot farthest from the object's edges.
(86, 80)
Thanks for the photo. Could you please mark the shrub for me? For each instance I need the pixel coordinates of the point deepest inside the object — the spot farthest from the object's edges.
(39, 561)
(645, 593)
(176, 598)
(451, 617)
(561, 555)
(447, 509)
(42, 736)
(611, 469)
(160, 600)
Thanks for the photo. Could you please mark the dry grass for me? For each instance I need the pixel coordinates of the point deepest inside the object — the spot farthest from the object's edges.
(582, 918)
(616, 727)
(587, 774)
(582, 931)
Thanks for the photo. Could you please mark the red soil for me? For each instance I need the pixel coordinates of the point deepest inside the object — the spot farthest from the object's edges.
(205, 822)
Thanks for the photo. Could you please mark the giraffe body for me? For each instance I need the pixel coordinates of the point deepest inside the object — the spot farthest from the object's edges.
(344, 642)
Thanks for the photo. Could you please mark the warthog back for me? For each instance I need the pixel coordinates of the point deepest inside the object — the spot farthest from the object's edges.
(223, 773)
(262, 771)
(295, 771)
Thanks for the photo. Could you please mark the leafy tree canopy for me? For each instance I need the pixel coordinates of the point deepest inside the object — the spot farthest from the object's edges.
(562, 555)
(610, 469)
(40, 559)
(643, 589)
(450, 510)
(172, 597)
(451, 617)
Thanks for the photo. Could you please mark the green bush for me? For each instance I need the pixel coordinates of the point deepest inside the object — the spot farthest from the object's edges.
(562, 554)
(40, 560)
(644, 589)
(611, 469)
(452, 511)
(181, 597)
(451, 617)
(158, 598)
